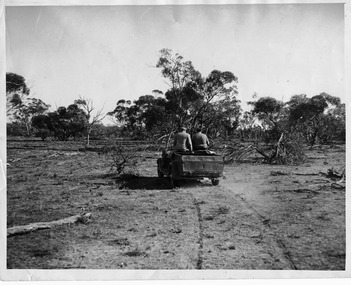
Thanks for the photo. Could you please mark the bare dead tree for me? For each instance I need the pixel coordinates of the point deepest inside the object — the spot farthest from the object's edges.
(88, 106)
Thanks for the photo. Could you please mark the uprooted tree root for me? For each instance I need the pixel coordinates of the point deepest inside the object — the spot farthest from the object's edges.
(284, 152)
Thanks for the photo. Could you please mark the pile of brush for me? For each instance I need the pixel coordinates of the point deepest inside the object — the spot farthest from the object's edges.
(284, 152)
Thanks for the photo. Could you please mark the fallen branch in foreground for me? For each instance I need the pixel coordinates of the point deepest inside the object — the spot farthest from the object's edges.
(47, 225)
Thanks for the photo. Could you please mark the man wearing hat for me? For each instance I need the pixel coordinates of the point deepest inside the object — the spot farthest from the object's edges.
(182, 141)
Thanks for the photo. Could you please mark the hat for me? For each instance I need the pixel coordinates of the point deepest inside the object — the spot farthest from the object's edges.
(182, 128)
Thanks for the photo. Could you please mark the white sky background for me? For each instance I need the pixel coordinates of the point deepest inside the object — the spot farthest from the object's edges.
(108, 53)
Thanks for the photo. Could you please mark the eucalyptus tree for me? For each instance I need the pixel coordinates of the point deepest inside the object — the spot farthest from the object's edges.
(126, 114)
(16, 91)
(181, 78)
(63, 123)
(21, 108)
(197, 100)
(28, 109)
(309, 116)
(217, 105)
(191, 99)
(270, 112)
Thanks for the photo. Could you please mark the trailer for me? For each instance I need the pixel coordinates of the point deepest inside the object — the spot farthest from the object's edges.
(190, 166)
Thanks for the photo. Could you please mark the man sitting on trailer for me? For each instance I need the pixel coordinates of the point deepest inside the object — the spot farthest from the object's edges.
(200, 141)
(182, 141)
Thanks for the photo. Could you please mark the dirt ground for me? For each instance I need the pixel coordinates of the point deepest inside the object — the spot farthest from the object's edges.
(260, 216)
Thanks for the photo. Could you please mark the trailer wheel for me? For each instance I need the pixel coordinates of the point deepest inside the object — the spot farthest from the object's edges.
(215, 181)
(174, 183)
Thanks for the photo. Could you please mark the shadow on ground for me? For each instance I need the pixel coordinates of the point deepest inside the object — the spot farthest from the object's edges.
(156, 183)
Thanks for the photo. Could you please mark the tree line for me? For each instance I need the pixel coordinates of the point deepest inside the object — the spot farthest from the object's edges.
(192, 100)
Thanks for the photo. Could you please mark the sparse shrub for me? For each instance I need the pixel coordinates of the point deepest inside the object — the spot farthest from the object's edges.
(122, 160)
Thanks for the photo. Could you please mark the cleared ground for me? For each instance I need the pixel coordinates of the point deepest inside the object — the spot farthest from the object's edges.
(259, 217)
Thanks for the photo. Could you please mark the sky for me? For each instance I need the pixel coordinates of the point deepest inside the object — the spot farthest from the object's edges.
(108, 53)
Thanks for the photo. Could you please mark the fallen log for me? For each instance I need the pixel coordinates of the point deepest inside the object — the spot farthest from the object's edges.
(83, 218)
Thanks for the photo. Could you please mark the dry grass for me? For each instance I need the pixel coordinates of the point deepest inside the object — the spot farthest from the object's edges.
(251, 221)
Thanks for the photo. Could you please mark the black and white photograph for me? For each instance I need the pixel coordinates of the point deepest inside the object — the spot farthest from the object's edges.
(174, 140)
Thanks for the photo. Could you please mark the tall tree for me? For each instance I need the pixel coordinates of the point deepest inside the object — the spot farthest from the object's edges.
(19, 106)
(193, 96)
(191, 99)
(217, 92)
(16, 91)
(181, 75)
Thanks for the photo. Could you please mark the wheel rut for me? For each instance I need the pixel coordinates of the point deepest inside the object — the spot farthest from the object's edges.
(201, 234)
(266, 224)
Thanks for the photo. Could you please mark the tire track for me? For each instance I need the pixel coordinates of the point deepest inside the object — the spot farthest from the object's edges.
(201, 234)
(266, 223)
